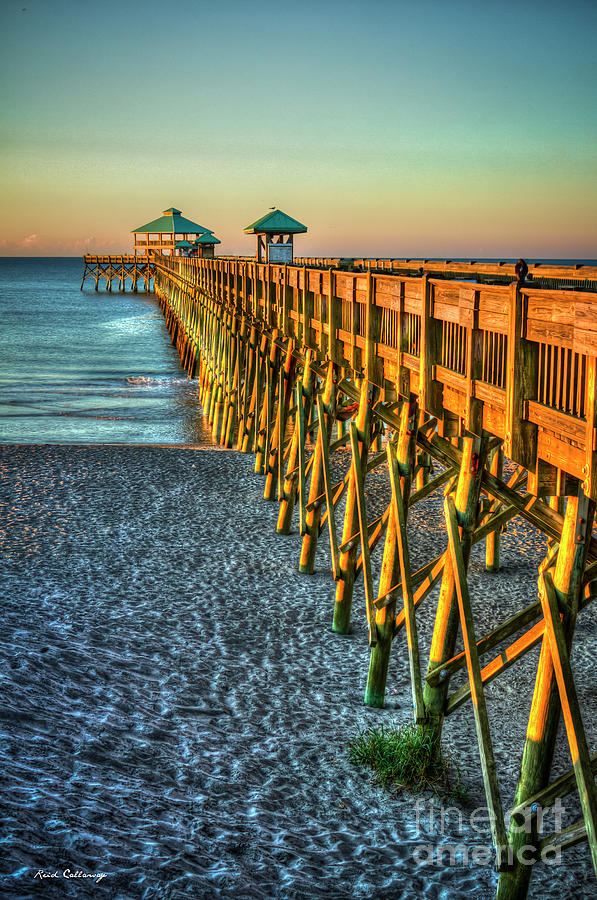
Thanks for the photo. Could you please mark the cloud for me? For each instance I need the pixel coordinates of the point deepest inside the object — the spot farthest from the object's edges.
(44, 245)
(85, 243)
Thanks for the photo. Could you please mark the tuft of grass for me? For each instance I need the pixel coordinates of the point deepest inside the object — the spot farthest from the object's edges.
(406, 758)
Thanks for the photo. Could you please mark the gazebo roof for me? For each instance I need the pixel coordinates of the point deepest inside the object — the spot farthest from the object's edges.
(207, 238)
(276, 222)
(172, 221)
(183, 244)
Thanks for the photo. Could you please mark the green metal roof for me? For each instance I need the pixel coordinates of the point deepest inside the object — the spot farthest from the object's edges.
(172, 221)
(183, 244)
(207, 238)
(276, 222)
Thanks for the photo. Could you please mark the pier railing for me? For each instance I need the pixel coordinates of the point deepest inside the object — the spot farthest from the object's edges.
(514, 360)
(542, 274)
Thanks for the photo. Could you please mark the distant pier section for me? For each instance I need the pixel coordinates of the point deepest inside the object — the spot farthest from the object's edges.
(119, 269)
(171, 234)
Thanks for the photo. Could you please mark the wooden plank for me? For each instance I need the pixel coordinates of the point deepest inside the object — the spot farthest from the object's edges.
(499, 665)
(550, 333)
(563, 840)
(554, 420)
(489, 641)
(560, 453)
(433, 572)
(561, 787)
(490, 394)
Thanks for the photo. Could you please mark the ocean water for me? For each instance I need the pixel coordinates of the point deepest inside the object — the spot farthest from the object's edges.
(85, 367)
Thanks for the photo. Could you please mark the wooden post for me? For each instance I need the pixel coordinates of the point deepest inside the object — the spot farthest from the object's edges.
(288, 498)
(359, 480)
(313, 517)
(263, 434)
(260, 371)
(492, 546)
(249, 375)
(545, 708)
(344, 587)
(217, 394)
(251, 428)
(228, 372)
(391, 570)
(521, 384)
(276, 457)
(446, 620)
(231, 383)
(424, 460)
(577, 741)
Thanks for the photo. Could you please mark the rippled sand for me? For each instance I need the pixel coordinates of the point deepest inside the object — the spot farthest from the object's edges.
(176, 709)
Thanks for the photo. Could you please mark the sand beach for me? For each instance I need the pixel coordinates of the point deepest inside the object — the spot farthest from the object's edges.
(176, 710)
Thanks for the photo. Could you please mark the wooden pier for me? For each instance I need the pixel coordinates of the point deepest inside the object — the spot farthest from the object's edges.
(455, 366)
(120, 269)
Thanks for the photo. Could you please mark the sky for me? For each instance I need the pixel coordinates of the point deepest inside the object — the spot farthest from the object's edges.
(417, 129)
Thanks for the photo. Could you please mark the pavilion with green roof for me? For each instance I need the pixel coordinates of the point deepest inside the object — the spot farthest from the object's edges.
(275, 231)
(205, 245)
(163, 234)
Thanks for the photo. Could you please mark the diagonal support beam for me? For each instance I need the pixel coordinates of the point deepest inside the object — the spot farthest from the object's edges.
(575, 731)
(492, 792)
(399, 514)
(362, 516)
(323, 438)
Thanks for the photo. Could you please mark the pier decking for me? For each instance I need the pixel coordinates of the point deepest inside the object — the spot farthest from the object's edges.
(457, 365)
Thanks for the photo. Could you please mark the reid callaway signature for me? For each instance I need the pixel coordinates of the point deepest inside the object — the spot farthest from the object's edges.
(68, 873)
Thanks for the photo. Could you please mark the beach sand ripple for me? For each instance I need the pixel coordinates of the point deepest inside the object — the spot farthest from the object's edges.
(176, 709)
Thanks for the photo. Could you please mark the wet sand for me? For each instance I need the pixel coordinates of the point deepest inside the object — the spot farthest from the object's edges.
(176, 710)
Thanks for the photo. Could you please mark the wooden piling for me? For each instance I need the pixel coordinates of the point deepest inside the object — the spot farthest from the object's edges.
(446, 619)
(546, 705)
(275, 474)
(391, 565)
(289, 492)
(263, 436)
(344, 587)
(313, 516)
(492, 547)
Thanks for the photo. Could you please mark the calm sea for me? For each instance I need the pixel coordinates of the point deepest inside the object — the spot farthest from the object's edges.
(80, 366)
